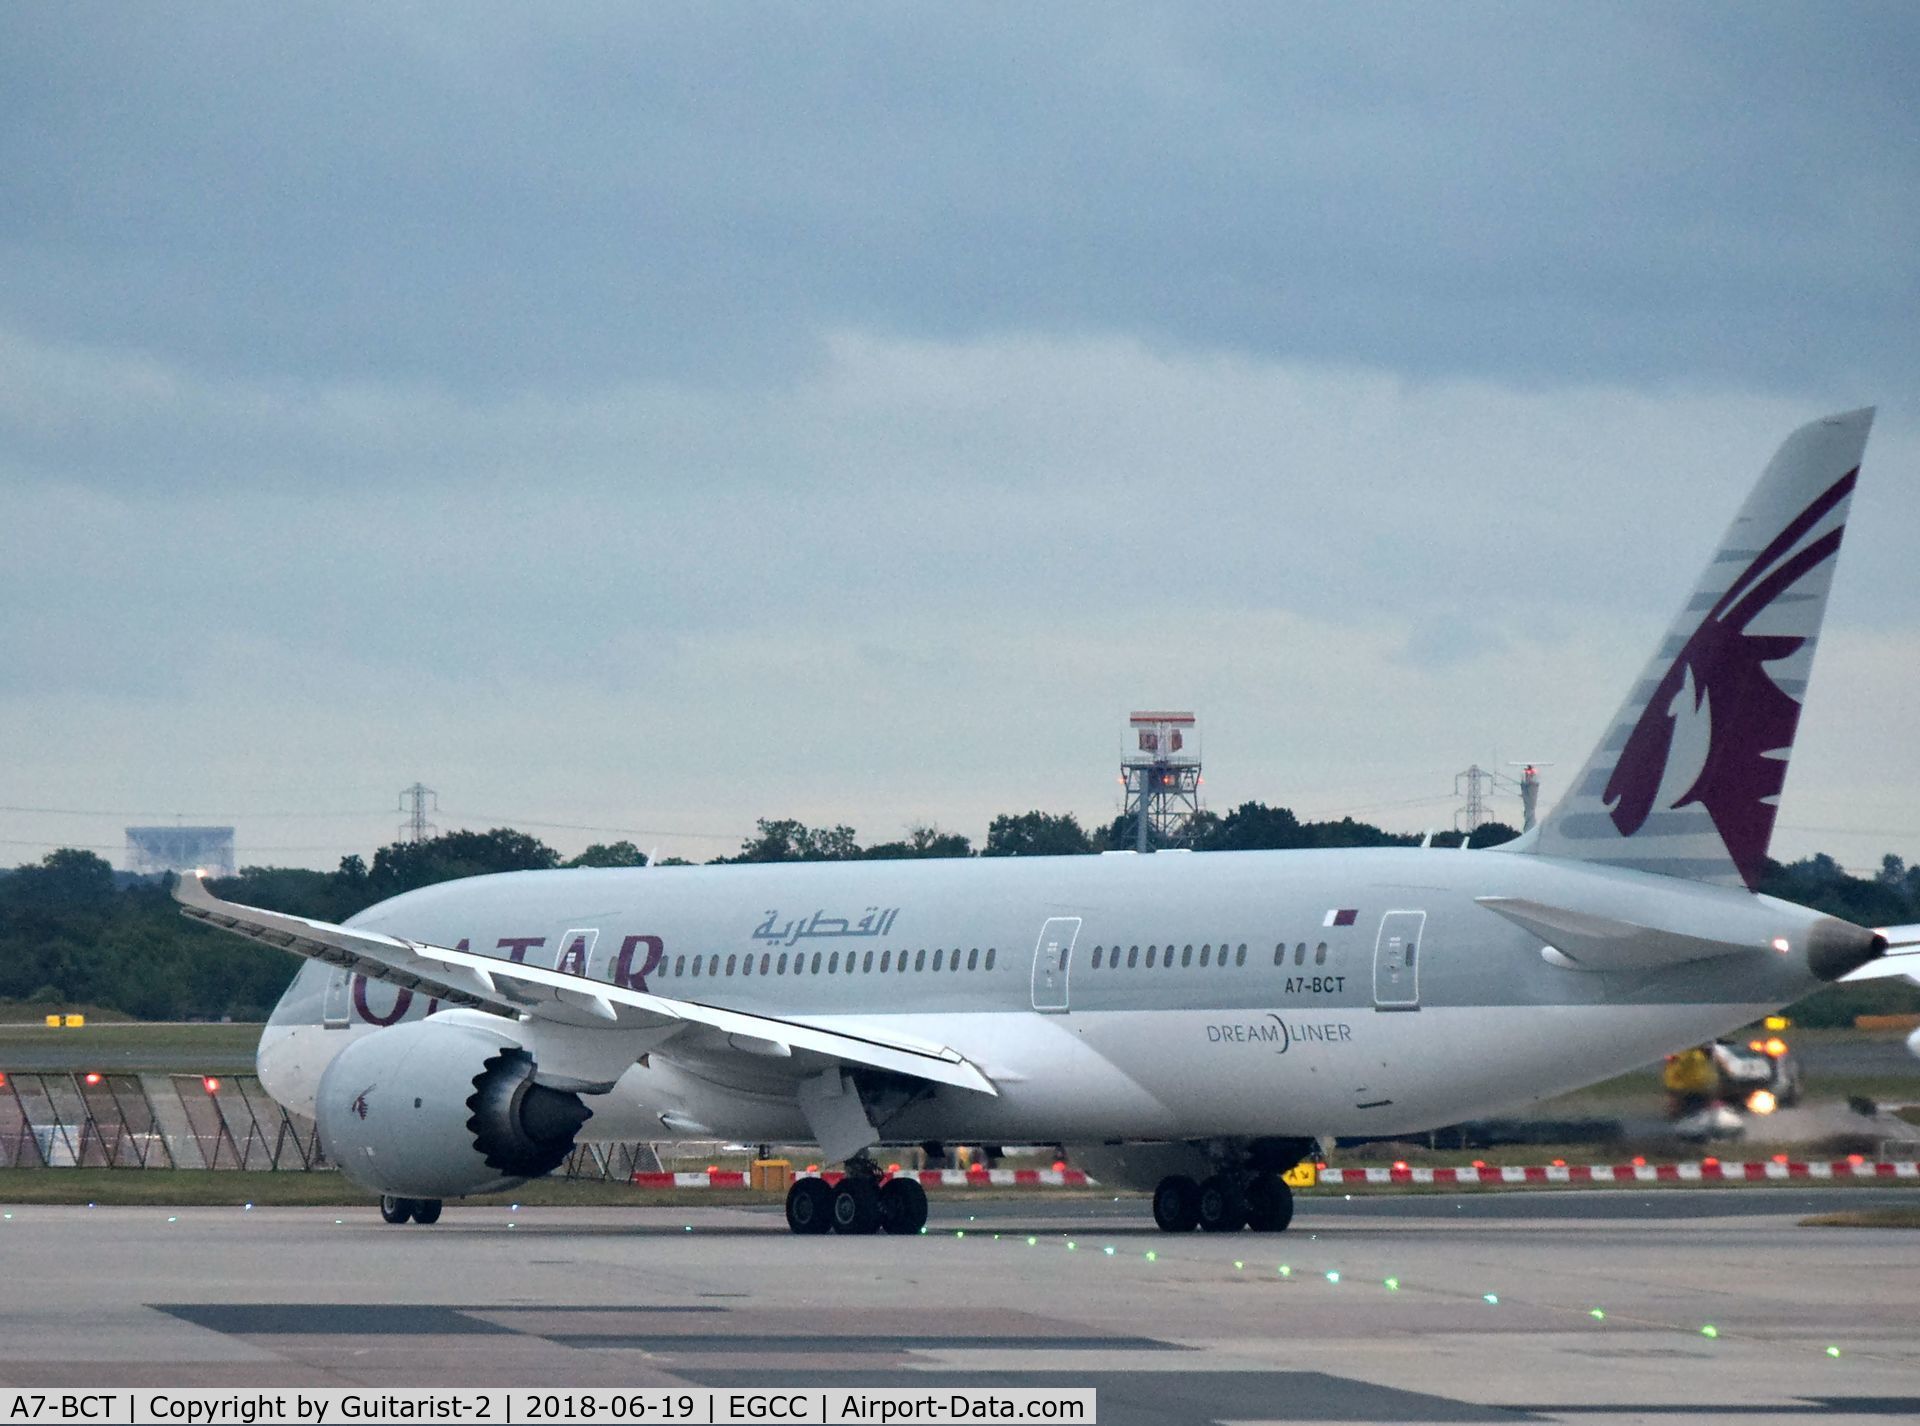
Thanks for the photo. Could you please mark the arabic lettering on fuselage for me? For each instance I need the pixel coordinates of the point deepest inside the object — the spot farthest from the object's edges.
(876, 922)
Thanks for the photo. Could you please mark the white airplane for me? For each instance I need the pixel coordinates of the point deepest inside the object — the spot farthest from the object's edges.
(1192, 1023)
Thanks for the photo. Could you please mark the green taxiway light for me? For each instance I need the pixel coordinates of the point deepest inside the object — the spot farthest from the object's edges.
(1393, 1284)
(1285, 1271)
(1333, 1275)
(1238, 1265)
(1833, 1351)
(1709, 1331)
(1152, 1256)
(1108, 1250)
(1596, 1314)
(1031, 1241)
(1492, 1299)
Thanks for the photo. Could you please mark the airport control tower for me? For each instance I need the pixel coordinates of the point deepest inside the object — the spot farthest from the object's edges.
(1160, 771)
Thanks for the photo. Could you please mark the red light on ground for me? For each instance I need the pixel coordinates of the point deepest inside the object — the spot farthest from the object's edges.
(210, 1083)
(1779, 1158)
(713, 1168)
(3, 1081)
(1856, 1158)
(1399, 1163)
(1639, 1162)
(92, 1078)
(1059, 1165)
(1559, 1163)
(1711, 1160)
(1479, 1163)
(893, 1168)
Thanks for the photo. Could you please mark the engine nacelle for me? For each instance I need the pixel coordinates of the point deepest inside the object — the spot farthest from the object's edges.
(436, 1110)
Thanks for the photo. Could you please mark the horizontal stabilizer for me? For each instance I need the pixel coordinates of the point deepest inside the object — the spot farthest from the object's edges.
(1596, 942)
(503, 987)
(1902, 956)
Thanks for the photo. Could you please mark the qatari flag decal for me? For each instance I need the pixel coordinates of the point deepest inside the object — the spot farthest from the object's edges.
(1343, 917)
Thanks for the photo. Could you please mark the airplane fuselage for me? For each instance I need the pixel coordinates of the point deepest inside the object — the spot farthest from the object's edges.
(1118, 997)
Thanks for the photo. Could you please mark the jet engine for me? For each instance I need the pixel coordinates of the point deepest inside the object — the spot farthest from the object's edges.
(436, 1110)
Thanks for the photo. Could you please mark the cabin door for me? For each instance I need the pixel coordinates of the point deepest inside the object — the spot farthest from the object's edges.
(334, 1014)
(1396, 961)
(1052, 959)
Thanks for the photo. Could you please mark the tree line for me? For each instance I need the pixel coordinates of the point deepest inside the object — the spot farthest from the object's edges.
(73, 931)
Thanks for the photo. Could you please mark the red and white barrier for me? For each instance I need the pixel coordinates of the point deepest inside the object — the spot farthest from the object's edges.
(1704, 1171)
(931, 1178)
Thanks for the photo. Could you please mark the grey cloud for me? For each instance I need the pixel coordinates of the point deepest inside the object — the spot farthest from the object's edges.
(516, 201)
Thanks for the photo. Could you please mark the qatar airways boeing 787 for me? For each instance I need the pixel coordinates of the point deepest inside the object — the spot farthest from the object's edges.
(1194, 1023)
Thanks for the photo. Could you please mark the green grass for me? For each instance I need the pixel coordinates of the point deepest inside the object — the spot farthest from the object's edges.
(1866, 1218)
(128, 1047)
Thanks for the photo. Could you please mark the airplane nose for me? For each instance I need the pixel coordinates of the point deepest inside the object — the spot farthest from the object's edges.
(1836, 948)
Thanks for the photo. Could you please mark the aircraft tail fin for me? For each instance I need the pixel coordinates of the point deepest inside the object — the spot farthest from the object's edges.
(1687, 779)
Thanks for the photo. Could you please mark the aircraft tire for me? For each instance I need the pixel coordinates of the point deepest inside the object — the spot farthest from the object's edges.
(856, 1206)
(810, 1206)
(1176, 1204)
(1220, 1207)
(426, 1211)
(1269, 1204)
(903, 1206)
(394, 1209)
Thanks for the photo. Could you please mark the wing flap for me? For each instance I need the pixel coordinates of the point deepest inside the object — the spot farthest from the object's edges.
(506, 988)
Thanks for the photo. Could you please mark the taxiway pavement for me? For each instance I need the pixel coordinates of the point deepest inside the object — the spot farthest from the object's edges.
(1554, 1306)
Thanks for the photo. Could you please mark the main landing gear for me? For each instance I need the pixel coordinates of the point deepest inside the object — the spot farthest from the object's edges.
(860, 1203)
(1223, 1203)
(424, 1211)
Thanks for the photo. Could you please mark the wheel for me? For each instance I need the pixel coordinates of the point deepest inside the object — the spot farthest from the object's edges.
(1221, 1209)
(1269, 1204)
(903, 1206)
(810, 1205)
(395, 1210)
(856, 1205)
(1176, 1204)
(426, 1211)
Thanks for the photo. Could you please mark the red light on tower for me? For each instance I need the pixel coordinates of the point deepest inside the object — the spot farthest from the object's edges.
(210, 1083)
(92, 1077)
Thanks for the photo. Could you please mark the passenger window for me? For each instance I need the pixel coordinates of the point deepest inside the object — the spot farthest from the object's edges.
(886, 961)
(1206, 954)
(1096, 958)
(729, 965)
(866, 963)
(1151, 952)
(815, 969)
(1240, 956)
(936, 958)
(1186, 957)
(833, 963)
(696, 965)
(1280, 953)
(973, 958)
(713, 965)
(679, 965)
(1300, 954)
(766, 961)
(782, 963)
(1319, 953)
(1133, 957)
(989, 957)
(746, 964)
(920, 959)
(852, 956)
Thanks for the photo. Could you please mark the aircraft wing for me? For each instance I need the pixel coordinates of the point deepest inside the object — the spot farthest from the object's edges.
(502, 987)
(1902, 956)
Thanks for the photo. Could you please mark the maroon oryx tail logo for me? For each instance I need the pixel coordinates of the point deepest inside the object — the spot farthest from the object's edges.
(359, 1105)
(1750, 718)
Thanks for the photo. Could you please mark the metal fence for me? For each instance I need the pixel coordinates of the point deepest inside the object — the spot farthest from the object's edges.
(191, 1121)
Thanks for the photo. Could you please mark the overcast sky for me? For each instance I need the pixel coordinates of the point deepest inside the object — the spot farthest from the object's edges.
(652, 419)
